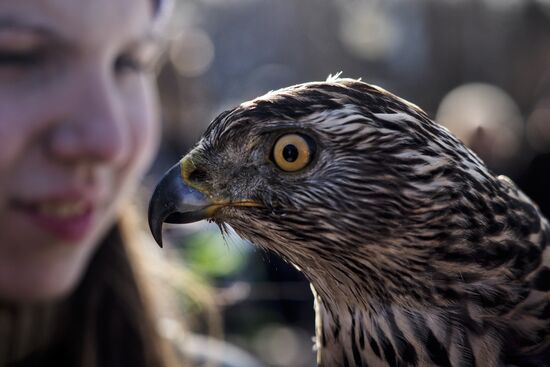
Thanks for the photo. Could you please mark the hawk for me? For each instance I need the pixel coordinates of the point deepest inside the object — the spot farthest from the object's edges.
(418, 255)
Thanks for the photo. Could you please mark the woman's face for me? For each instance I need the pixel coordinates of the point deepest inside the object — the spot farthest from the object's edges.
(78, 127)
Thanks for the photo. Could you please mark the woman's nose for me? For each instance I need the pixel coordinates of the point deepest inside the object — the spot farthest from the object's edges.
(94, 126)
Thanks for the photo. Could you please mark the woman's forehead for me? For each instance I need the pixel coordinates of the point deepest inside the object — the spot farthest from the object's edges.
(92, 21)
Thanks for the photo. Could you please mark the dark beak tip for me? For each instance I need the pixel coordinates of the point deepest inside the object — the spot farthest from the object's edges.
(157, 234)
(155, 224)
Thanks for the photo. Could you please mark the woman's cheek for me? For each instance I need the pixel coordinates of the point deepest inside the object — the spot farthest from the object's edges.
(144, 123)
(18, 127)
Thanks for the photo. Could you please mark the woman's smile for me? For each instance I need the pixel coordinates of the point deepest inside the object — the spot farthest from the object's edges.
(69, 217)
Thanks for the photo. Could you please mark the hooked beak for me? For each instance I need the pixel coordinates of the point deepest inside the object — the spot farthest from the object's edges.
(175, 202)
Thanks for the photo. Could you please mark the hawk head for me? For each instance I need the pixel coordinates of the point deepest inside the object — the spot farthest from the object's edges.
(356, 187)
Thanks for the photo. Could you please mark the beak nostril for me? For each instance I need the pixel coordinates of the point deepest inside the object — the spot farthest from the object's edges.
(197, 176)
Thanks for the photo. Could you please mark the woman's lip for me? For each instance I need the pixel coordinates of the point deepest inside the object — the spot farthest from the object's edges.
(69, 221)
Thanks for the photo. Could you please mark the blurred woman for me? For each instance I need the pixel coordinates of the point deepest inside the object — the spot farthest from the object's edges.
(78, 128)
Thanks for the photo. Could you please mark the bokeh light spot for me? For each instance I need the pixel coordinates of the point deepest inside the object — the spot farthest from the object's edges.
(192, 52)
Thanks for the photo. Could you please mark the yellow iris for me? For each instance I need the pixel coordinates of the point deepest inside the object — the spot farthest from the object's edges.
(291, 153)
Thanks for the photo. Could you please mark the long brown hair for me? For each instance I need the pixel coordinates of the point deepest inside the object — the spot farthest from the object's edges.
(107, 321)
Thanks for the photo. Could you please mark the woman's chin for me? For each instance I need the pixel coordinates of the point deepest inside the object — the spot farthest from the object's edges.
(43, 281)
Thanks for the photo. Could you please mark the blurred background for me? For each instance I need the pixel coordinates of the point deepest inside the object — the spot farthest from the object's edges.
(480, 67)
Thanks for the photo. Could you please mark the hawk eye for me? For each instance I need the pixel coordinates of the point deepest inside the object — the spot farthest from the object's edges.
(291, 152)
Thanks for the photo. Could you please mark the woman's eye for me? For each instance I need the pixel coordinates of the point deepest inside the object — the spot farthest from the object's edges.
(127, 63)
(293, 152)
(20, 59)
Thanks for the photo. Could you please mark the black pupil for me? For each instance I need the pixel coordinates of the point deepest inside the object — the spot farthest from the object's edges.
(290, 153)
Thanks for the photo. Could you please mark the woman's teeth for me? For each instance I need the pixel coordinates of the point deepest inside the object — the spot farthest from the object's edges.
(62, 210)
